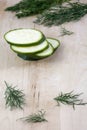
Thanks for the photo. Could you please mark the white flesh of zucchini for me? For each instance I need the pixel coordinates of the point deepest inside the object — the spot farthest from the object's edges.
(47, 52)
(55, 43)
(23, 36)
(30, 49)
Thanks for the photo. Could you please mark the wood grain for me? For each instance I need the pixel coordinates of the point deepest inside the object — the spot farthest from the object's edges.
(42, 80)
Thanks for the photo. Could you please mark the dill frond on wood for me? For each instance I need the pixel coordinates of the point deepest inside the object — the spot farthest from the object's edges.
(64, 32)
(69, 99)
(35, 117)
(14, 97)
(58, 15)
(32, 7)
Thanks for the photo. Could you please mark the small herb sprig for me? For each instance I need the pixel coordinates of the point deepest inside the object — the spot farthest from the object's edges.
(35, 117)
(64, 32)
(69, 99)
(14, 97)
(57, 15)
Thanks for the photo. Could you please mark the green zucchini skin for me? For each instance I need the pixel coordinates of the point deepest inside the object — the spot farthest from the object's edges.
(46, 46)
(35, 57)
(31, 54)
(55, 40)
(46, 55)
(27, 57)
(25, 44)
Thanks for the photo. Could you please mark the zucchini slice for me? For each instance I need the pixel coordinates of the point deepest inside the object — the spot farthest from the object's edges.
(30, 49)
(24, 37)
(45, 53)
(54, 42)
(37, 56)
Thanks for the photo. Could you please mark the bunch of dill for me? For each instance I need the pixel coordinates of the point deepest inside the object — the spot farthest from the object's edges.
(58, 15)
(31, 7)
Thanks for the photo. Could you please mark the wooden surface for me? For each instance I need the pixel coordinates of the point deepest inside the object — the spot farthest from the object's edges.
(42, 80)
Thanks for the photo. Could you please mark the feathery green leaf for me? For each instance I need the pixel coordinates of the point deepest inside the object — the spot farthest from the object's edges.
(35, 117)
(58, 15)
(69, 99)
(32, 7)
(64, 32)
(14, 98)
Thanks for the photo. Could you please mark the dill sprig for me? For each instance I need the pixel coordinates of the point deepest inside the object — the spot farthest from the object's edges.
(64, 32)
(58, 15)
(69, 99)
(14, 97)
(35, 117)
(32, 7)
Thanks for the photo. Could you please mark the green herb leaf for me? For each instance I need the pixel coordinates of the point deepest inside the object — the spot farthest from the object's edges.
(65, 32)
(58, 15)
(14, 97)
(35, 117)
(69, 99)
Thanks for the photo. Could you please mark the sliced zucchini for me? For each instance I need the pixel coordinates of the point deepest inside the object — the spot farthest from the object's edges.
(30, 49)
(45, 53)
(37, 56)
(24, 37)
(54, 42)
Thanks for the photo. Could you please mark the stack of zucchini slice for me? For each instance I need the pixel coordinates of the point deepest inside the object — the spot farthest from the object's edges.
(31, 44)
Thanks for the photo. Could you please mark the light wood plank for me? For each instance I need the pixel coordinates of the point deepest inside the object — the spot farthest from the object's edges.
(42, 80)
